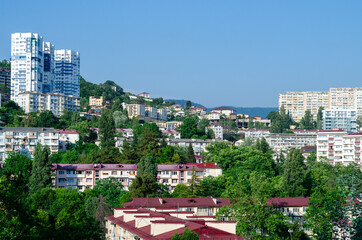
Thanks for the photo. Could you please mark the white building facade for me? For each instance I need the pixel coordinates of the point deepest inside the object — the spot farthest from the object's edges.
(345, 119)
(67, 72)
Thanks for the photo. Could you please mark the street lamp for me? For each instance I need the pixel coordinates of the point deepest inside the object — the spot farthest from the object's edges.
(290, 231)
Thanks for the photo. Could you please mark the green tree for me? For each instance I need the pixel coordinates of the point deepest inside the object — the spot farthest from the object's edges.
(41, 170)
(45, 119)
(86, 134)
(262, 145)
(230, 129)
(251, 122)
(188, 128)
(120, 119)
(307, 121)
(294, 174)
(147, 166)
(320, 118)
(188, 105)
(181, 191)
(190, 155)
(107, 130)
(111, 189)
(186, 235)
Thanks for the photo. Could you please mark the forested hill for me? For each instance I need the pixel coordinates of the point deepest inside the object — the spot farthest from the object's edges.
(183, 102)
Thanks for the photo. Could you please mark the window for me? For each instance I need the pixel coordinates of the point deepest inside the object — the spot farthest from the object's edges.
(174, 172)
(71, 180)
(165, 181)
(123, 179)
(61, 180)
(114, 172)
(174, 180)
(70, 172)
(88, 172)
(89, 180)
(61, 172)
(203, 209)
(79, 172)
(80, 180)
(189, 173)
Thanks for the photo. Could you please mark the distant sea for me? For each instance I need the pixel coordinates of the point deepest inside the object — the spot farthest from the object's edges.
(252, 111)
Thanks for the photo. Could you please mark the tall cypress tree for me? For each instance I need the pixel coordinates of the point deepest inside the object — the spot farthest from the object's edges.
(107, 130)
(294, 174)
(190, 155)
(41, 171)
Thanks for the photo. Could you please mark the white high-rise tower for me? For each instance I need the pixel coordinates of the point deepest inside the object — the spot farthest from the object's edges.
(27, 59)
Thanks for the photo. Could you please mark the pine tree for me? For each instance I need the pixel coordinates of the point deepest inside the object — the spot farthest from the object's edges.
(41, 171)
(320, 118)
(294, 174)
(190, 155)
(107, 130)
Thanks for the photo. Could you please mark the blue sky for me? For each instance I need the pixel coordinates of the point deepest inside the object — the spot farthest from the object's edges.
(240, 53)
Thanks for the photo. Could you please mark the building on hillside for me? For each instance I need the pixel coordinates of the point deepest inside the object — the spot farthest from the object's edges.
(49, 67)
(83, 176)
(254, 133)
(66, 137)
(5, 77)
(24, 140)
(285, 141)
(224, 111)
(151, 112)
(145, 95)
(345, 119)
(339, 147)
(244, 123)
(54, 102)
(213, 117)
(172, 125)
(126, 132)
(67, 72)
(293, 208)
(180, 114)
(162, 114)
(217, 129)
(141, 223)
(199, 145)
(176, 107)
(171, 134)
(27, 59)
(135, 110)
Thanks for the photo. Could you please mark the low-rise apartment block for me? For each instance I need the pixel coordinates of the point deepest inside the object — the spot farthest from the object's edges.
(142, 223)
(171, 134)
(345, 119)
(162, 114)
(24, 140)
(135, 110)
(83, 176)
(151, 112)
(339, 147)
(172, 125)
(223, 111)
(285, 141)
(218, 130)
(54, 102)
(98, 103)
(255, 133)
(199, 145)
(66, 137)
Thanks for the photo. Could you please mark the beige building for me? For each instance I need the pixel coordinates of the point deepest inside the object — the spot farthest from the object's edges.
(95, 102)
(83, 176)
(296, 103)
(135, 110)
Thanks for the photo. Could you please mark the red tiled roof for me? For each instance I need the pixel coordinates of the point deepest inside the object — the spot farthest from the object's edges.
(68, 131)
(288, 202)
(204, 165)
(176, 202)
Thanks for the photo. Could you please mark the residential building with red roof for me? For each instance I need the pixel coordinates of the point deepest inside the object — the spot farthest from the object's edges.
(224, 111)
(83, 176)
(136, 223)
(67, 136)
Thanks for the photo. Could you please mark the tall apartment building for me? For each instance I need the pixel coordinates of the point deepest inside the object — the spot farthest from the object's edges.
(296, 103)
(27, 60)
(48, 80)
(40, 69)
(345, 119)
(55, 102)
(339, 147)
(24, 140)
(5, 77)
(67, 72)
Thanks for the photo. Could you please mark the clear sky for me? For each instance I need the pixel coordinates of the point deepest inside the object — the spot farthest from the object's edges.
(240, 53)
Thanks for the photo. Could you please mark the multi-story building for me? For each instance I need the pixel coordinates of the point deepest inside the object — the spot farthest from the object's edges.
(171, 134)
(218, 130)
(83, 176)
(285, 141)
(151, 112)
(135, 110)
(67, 72)
(296, 103)
(223, 111)
(145, 224)
(244, 123)
(48, 75)
(55, 102)
(27, 59)
(199, 145)
(339, 147)
(172, 125)
(24, 140)
(345, 119)
(66, 137)
(162, 114)
(254, 133)
(5, 77)
(145, 95)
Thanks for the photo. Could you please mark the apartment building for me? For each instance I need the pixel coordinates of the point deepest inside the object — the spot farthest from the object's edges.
(244, 123)
(83, 176)
(296, 103)
(66, 137)
(254, 133)
(135, 110)
(49, 66)
(27, 59)
(199, 145)
(67, 72)
(223, 111)
(142, 223)
(5, 77)
(171, 134)
(151, 112)
(339, 147)
(24, 140)
(285, 141)
(55, 102)
(345, 119)
(217, 129)
(162, 114)
(172, 125)
(145, 95)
